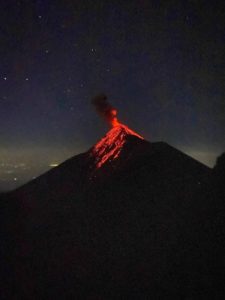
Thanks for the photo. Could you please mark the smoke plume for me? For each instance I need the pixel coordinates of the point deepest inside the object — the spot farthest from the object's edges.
(105, 109)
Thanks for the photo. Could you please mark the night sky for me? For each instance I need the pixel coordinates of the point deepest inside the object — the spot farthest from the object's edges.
(161, 63)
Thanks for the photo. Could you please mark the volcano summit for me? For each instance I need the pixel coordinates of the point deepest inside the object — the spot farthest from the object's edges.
(109, 147)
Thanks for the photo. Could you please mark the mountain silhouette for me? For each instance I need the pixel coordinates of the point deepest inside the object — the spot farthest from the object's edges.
(120, 151)
(128, 219)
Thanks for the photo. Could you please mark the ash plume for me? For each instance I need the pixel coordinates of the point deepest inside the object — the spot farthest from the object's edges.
(105, 109)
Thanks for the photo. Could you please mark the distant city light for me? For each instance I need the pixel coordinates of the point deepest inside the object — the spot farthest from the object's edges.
(53, 165)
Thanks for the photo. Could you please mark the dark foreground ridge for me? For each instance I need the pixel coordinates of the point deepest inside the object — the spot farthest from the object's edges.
(128, 219)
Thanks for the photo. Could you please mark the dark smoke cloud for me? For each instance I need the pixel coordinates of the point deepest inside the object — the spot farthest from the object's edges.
(104, 108)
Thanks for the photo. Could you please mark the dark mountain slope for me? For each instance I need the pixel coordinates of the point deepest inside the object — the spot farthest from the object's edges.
(128, 219)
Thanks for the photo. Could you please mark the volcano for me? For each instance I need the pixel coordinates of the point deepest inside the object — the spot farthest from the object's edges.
(111, 145)
(128, 219)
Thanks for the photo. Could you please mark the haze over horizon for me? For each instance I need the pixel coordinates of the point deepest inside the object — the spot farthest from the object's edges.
(14, 174)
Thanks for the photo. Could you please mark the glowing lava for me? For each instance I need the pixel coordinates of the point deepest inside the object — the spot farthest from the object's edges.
(110, 146)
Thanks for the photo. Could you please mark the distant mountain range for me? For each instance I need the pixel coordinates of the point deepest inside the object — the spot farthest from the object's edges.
(128, 219)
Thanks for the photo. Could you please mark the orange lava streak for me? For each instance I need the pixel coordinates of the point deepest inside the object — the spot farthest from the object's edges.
(111, 145)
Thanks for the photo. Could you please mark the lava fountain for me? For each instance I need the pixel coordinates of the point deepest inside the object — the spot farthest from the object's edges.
(110, 146)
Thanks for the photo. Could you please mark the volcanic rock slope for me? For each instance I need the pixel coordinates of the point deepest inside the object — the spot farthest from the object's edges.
(128, 219)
